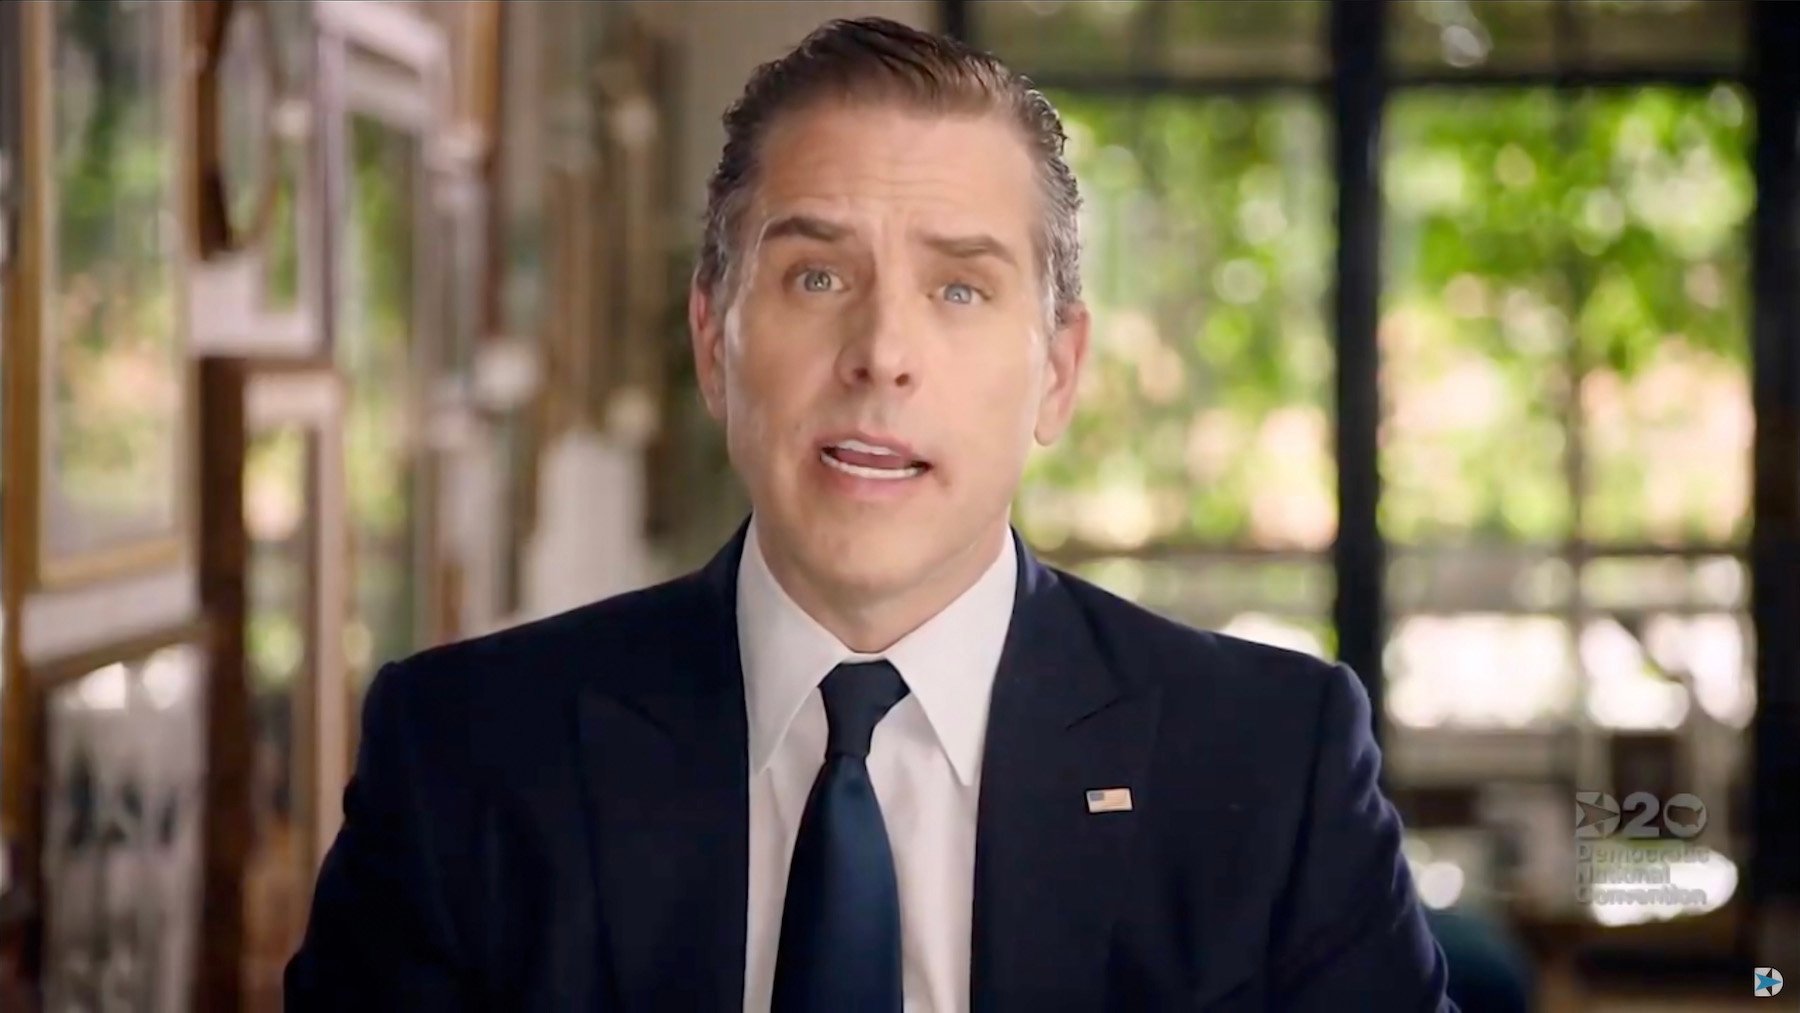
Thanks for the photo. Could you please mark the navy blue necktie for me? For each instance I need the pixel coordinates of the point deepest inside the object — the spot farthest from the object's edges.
(840, 926)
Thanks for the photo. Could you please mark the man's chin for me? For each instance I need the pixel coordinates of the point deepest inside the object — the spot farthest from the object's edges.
(870, 569)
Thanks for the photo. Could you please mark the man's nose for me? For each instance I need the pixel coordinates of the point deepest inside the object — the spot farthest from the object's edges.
(881, 348)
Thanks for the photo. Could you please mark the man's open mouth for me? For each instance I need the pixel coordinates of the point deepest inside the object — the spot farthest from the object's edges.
(863, 459)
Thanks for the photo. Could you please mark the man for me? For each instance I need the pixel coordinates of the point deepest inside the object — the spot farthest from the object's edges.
(874, 754)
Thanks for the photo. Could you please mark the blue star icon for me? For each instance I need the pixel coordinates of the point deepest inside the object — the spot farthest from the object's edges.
(1768, 981)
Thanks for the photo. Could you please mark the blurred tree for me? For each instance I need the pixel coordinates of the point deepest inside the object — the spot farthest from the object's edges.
(1204, 414)
(1566, 275)
(1535, 243)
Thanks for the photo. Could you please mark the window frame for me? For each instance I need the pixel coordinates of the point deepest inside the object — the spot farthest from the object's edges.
(1356, 86)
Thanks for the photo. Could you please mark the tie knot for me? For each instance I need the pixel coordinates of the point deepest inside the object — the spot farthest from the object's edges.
(857, 696)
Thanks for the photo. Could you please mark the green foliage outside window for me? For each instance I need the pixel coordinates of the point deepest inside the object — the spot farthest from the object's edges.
(1559, 273)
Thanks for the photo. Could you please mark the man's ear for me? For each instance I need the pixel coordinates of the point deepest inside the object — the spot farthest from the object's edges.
(706, 331)
(1067, 353)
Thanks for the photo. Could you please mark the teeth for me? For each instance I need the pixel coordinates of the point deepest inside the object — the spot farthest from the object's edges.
(865, 448)
(880, 474)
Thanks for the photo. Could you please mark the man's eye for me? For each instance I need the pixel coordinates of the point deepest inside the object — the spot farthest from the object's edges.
(961, 293)
(815, 280)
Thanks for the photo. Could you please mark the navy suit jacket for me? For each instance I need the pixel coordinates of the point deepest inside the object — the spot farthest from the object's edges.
(555, 817)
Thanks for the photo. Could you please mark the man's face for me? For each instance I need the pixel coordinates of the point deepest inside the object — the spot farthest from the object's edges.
(882, 366)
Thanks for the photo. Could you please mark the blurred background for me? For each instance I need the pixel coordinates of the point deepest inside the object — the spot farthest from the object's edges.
(1455, 339)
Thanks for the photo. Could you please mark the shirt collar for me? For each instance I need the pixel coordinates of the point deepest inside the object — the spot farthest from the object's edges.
(948, 662)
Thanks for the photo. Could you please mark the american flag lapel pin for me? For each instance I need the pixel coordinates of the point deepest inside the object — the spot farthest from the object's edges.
(1109, 800)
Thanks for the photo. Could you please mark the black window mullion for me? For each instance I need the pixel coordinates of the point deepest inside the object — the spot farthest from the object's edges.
(1358, 94)
(1775, 538)
(953, 15)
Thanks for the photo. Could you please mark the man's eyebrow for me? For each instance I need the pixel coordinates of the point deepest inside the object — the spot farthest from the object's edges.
(970, 247)
(805, 227)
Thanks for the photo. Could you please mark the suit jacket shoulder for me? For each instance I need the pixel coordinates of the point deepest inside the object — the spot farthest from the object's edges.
(455, 881)
(1271, 706)
(504, 690)
(1263, 802)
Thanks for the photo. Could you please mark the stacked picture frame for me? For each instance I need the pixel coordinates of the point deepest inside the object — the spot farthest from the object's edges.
(290, 308)
(103, 697)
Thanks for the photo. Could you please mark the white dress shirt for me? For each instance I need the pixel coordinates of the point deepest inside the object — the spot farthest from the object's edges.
(924, 761)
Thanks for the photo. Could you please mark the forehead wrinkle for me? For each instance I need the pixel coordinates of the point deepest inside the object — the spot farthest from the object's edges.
(810, 162)
(819, 163)
(969, 246)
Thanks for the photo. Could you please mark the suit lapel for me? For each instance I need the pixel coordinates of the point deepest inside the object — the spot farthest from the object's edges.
(1046, 869)
(665, 768)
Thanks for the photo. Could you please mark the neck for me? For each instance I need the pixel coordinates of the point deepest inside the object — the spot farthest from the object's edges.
(871, 620)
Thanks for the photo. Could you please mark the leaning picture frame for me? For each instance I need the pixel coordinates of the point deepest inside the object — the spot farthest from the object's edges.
(120, 773)
(102, 389)
(384, 88)
(255, 183)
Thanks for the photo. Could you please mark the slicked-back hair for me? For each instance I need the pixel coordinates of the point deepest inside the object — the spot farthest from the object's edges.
(878, 61)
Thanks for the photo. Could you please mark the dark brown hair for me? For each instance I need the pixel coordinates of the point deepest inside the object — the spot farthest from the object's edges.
(882, 61)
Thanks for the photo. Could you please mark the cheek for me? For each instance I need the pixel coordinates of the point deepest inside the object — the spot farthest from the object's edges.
(769, 386)
(1001, 406)
(1017, 379)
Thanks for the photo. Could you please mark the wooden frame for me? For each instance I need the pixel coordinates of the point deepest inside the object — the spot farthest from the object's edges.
(510, 380)
(17, 902)
(162, 538)
(259, 875)
(572, 183)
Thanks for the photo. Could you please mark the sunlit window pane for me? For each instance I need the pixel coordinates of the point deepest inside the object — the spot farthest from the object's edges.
(1564, 337)
(1713, 653)
(1475, 337)
(1205, 407)
(1626, 689)
(1660, 198)
(1480, 671)
(1670, 622)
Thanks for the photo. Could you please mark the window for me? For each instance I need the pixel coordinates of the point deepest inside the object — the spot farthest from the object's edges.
(1197, 475)
(1566, 440)
(1561, 364)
